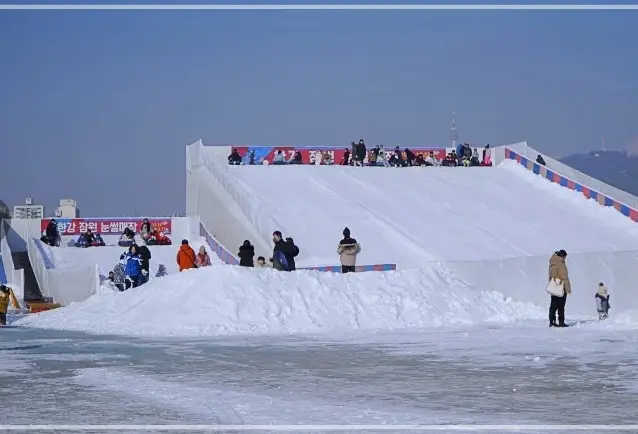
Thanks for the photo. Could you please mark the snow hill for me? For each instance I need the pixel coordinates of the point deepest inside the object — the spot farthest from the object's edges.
(414, 215)
(224, 299)
(472, 245)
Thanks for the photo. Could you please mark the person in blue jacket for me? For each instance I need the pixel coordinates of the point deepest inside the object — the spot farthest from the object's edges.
(133, 267)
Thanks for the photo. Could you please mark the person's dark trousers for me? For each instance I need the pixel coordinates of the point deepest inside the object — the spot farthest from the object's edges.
(3, 318)
(557, 306)
(143, 278)
(347, 268)
(120, 286)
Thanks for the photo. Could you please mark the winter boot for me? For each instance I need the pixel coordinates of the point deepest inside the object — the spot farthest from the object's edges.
(562, 324)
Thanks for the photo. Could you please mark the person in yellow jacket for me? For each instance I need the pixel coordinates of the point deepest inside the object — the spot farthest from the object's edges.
(5, 298)
(558, 270)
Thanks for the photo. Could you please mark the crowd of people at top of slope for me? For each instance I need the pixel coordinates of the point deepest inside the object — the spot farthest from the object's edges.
(559, 287)
(358, 155)
(152, 236)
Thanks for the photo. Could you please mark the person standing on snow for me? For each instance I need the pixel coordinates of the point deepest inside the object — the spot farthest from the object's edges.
(558, 270)
(246, 254)
(348, 250)
(133, 268)
(284, 253)
(145, 254)
(602, 302)
(186, 257)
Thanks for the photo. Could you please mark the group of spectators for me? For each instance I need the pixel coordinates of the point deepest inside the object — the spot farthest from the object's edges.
(285, 251)
(358, 155)
(134, 266)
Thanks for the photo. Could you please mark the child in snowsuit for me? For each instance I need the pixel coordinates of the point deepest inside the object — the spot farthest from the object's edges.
(602, 302)
(5, 298)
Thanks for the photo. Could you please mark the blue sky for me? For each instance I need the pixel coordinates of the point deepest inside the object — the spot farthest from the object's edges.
(98, 106)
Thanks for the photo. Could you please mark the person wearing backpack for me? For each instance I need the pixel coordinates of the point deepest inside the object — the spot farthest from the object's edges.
(284, 253)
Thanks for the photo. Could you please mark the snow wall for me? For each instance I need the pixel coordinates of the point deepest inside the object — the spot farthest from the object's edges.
(219, 205)
(70, 284)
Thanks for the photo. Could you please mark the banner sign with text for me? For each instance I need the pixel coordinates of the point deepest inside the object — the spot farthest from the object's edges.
(105, 226)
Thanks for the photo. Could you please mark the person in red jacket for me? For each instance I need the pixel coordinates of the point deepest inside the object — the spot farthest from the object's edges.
(186, 256)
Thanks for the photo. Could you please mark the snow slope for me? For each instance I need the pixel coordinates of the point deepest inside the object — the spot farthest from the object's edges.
(415, 215)
(107, 256)
(223, 299)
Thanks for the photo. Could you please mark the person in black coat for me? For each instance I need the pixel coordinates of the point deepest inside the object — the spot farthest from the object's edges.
(145, 264)
(289, 250)
(52, 233)
(246, 254)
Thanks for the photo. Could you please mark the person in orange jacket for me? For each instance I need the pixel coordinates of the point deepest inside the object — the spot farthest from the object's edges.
(186, 256)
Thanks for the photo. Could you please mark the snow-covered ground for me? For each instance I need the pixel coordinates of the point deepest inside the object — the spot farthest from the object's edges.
(231, 345)
(518, 374)
(414, 215)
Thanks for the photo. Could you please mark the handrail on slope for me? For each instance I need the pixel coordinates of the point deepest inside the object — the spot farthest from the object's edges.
(563, 181)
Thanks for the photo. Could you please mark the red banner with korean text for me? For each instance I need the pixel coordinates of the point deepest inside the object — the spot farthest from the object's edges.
(105, 226)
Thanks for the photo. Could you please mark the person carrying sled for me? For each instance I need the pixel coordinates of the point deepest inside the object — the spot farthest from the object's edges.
(348, 250)
(186, 257)
(246, 254)
(558, 270)
(284, 253)
(602, 302)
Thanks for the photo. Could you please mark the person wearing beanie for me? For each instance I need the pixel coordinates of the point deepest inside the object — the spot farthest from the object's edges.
(558, 270)
(284, 253)
(246, 254)
(602, 302)
(348, 250)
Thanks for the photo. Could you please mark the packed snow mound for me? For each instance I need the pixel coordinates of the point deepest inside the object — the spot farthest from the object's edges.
(225, 300)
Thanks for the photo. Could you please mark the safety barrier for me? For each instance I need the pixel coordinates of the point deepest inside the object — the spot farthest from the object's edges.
(358, 268)
(563, 181)
(221, 251)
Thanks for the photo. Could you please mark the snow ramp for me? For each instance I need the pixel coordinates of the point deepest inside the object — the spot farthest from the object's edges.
(229, 300)
(495, 227)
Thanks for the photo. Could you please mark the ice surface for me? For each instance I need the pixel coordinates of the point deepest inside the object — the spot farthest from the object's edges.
(512, 374)
(410, 216)
(222, 299)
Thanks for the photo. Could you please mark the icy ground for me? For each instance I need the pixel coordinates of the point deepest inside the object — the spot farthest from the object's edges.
(517, 374)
